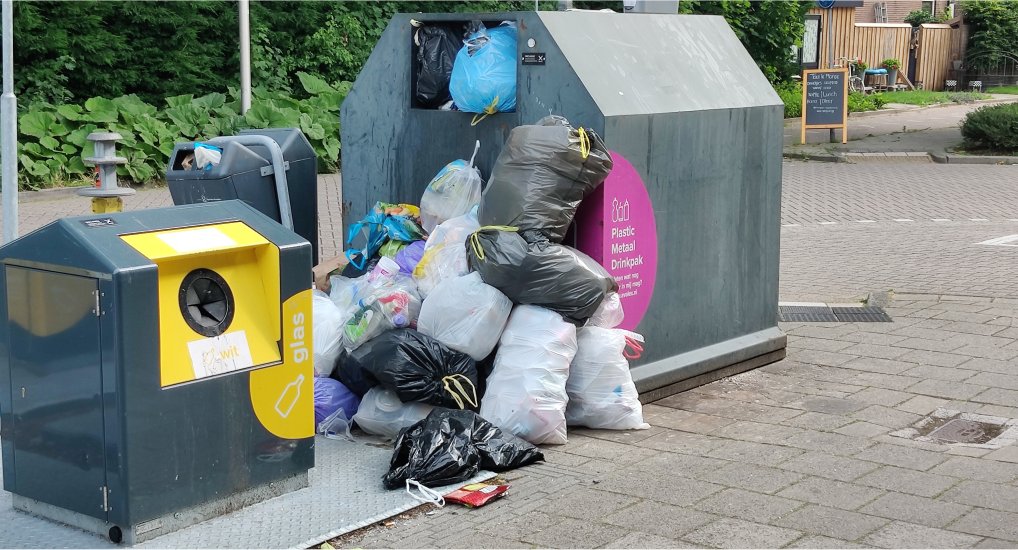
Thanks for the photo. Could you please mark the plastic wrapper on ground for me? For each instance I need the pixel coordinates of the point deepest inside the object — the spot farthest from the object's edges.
(526, 392)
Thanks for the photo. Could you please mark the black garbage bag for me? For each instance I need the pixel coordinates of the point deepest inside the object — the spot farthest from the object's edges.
(418, 368)
(437, 47)
(541, 175)
(452, 446)
(348, 371)
(539, 273)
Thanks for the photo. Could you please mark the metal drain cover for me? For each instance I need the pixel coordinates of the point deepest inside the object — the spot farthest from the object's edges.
(966, 431)
(827, 314)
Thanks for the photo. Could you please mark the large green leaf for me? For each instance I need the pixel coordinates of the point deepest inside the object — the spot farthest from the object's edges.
(49, 143)
(211, 101)
(33, 148)
(79, 137)
(75, 166)
(36, 124)
(70, 112)
(177, 101)
(101, 109)
(68, 148)
(263, 114)
(58, 129)
(311, 129)
(313, 84)
(134, 107)
(152, 130)
(190, 120)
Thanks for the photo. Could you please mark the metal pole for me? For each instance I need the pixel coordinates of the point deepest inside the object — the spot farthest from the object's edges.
(830, 38)
(245, 57)
(9, 130)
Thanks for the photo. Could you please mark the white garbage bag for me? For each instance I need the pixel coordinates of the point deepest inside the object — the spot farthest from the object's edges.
(526, 392)
(609, 314)
(466, 315)
(327, 323)
(601, 390)
(453, 192)
(382, 413)
(445, 253)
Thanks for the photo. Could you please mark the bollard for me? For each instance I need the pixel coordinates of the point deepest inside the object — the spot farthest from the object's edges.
(106, 195)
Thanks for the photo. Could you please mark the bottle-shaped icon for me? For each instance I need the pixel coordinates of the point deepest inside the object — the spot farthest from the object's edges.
(288, 399)
(624, 211)
(616, 211)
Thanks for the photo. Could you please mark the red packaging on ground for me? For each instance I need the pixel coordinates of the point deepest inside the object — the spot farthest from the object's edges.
(476, 495)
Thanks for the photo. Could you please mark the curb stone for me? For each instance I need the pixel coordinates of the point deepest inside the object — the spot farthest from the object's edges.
(950, 158)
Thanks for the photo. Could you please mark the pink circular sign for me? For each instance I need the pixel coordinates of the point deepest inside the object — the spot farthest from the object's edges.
(616, 227)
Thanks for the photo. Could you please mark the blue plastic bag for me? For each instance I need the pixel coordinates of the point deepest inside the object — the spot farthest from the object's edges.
(397, 222)
(330, 396)
(484, 74)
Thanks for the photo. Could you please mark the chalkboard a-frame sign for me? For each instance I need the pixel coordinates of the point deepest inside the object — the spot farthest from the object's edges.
(825, 100)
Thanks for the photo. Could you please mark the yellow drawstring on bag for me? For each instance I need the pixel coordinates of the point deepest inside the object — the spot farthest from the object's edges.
(454, 385)
(475, 243)
(489, 110)
(584, 143)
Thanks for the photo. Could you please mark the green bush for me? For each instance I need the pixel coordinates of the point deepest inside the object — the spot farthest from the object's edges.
(993, 127)
(858, 102)
(52, 138)
(791, 93)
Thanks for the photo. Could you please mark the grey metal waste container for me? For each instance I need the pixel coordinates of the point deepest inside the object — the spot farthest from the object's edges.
(688, 222)
(245, 173)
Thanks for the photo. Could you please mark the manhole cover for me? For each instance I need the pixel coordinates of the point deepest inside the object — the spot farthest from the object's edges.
(966, 431)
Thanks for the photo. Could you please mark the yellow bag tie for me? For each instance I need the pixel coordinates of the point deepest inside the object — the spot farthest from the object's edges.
(454, 383)
(475, 243)
(489, 110)
(584, 143)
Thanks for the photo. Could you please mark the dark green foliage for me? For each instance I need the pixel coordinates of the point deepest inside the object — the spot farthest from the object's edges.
(993, 127)
(791, 93)
(993, 31)
(858, 102)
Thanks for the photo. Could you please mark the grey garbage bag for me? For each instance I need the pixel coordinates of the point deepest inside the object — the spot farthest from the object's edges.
(539, 273)
(541, 175)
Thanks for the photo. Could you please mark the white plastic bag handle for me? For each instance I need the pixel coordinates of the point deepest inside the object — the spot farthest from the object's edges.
(428, 495)
(477, 145)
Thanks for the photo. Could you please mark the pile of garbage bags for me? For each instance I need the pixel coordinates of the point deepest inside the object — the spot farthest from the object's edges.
(464, 329)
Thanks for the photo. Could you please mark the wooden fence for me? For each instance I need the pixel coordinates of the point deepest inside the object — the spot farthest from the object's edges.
(938, 44)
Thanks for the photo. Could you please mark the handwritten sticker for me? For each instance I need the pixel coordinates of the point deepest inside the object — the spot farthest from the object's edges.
(220, 354)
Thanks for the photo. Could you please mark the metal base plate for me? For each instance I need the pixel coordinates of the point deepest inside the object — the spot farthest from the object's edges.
(345, 494)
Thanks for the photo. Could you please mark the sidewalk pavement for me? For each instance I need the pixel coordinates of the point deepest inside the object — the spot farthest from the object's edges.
(907, 128)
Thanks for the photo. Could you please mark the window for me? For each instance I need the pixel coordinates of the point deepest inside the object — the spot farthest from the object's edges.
(809, 56)
(930, 6)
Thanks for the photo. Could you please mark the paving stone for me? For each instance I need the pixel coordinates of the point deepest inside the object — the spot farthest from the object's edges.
(829, 405)
(923, 344)
(481, 540)
(996, 543)
(969, 317)
(637, 539)
(915, 459)
(881, 396)
(831, 522)
(681, 442)
(820, 464)
(761, 479)
(981, 329)
(671, 464)
(880, 380)
(624, 437)
(659, 519)
(904, 480)
(734, 533)
(819, 344)
(607, 450)
(922, 404)
(985, 495)
(818, 421)
(863, 429)
(875, 350)
(878, 364)
(695, 422)
(981, 341)
(1005, 454)
(754, 453)
(756, 431)
(834, 443)
(913, 509)
(828, 358)
(747, 505)
(886, 416)
(998, 396)
(942, 372)
(989, 523)
(981, 469)
(873, 337)
(985, 364)
(573, 533)
(967, 451)
(908, 535)
(983, 352)
(943, 388)
(671, 489)
(588, 504)
(815, 541)
(828, 492)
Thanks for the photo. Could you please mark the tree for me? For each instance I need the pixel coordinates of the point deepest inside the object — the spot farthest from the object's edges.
(993, 31)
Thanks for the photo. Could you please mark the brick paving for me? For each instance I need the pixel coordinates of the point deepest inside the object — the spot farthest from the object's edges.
(797, 453)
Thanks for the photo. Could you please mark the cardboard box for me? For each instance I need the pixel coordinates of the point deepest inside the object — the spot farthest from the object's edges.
(326, 268)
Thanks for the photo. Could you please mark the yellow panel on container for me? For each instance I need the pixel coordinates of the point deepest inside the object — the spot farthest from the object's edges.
(249, 265)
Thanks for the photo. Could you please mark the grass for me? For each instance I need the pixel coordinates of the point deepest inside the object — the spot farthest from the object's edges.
(928, 97)
(1003, 90)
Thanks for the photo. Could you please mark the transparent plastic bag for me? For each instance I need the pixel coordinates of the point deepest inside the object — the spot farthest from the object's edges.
(526, 392)
(454, 191)
(327, 322)
(336, 426)
(609, 314)
(382, 413)
(601, 390)
(385, 303)
(444, 253)
(466, 315)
